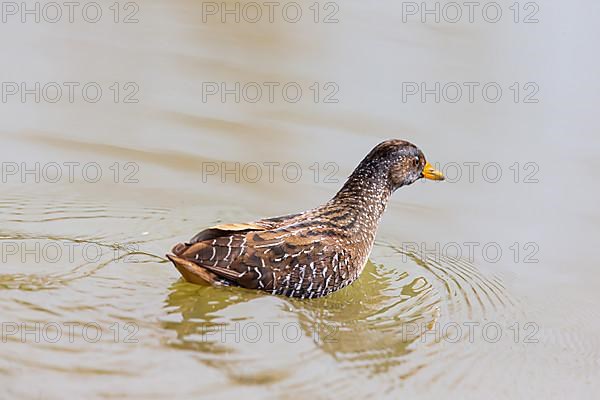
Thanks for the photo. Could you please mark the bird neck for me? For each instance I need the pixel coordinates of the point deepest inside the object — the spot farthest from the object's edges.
(364, 197)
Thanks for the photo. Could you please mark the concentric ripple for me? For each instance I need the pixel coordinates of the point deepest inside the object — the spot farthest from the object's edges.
(390, 325)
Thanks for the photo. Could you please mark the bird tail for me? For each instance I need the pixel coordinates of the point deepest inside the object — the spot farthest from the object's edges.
(191, 271)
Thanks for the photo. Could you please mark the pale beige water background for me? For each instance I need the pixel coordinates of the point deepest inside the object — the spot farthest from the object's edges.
(182, 339)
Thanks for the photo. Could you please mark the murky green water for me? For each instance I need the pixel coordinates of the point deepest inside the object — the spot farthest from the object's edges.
(481, 286)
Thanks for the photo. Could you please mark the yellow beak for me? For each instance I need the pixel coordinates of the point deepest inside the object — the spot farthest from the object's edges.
(431, 173)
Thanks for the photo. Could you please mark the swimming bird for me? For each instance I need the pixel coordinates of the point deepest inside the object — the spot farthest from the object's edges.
(313, 253)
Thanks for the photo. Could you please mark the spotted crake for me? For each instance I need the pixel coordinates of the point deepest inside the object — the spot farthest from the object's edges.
(310, 254)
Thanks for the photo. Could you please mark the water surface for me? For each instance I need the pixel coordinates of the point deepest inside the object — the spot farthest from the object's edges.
(436, 312)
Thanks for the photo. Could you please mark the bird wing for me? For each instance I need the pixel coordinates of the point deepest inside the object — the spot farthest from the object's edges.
(226, 229)
(283, 260)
